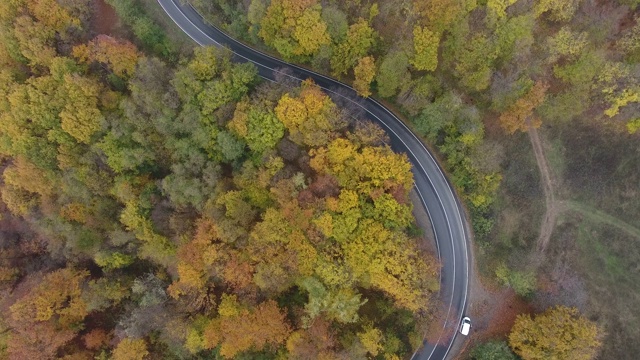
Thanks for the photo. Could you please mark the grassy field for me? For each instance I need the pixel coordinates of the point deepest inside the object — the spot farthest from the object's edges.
(593, 258)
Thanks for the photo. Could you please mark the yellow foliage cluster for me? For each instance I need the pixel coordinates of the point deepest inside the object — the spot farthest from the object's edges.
(557, 333)
(121, 55)
(308, 117)
(239, 329)
(362, 169)
(364, 72)
(129, 349)
(57, 297)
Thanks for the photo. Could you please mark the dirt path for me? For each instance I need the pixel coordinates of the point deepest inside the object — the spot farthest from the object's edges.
(548, 186)
(600, 216)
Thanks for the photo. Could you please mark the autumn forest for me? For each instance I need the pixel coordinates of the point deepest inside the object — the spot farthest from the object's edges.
(160, 210)
(161, 201)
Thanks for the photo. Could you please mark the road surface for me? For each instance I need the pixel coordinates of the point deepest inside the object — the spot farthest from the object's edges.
(437, 195)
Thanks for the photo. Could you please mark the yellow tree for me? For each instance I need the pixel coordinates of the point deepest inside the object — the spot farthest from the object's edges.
(294, 28)
(197, 259)
(558, 10)
(440, 14)
(558, 333)
(365, 71)
(81, 117)
(239, 328)
(498, 7)
(425, 45)
(310, 117)
(129, 349)
(57, 299)
(120, 55)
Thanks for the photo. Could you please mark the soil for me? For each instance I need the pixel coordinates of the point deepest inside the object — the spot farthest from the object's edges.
(492, 310)
(104, 19)
(548, 186)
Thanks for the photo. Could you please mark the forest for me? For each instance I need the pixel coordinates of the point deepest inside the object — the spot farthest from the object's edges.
(159, 205)
(162, 202)
(533, 107)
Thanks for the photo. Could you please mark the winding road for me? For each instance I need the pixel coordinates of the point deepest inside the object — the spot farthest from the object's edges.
(437, 195)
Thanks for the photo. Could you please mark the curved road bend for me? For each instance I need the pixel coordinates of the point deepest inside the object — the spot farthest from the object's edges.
(438, 197)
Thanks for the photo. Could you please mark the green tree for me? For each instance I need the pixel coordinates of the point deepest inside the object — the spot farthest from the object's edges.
(393, 72)
(361, 37)
(492, 350)
(523, 283)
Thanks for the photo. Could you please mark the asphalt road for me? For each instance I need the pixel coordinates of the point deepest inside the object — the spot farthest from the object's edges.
(438, 197)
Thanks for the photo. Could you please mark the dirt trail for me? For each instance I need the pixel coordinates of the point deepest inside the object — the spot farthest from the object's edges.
(548, 186)
(600, 216)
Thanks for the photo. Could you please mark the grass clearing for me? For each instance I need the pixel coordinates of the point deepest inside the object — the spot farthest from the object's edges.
(607, 260)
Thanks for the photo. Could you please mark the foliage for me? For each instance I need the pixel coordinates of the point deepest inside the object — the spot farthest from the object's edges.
(393, 72)
(558, 10)
(557, 333)
(120, 56)
(523, 283)
(295, 29)
(129, 349)
(146, 30)
(425, 45)
(364, 72)
(519, 115)
(361, 37)
(492, 350)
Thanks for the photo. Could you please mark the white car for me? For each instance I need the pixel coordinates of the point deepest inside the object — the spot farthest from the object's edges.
(465, 326)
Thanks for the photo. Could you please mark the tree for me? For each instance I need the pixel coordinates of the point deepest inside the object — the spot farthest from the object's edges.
(393, 72)
(519, 115)
(120, 55)
(475, 57)
(239, 329)
(337, 23)
(35, 41)
(362, 169)
(360, 38)
(259, 128)
(57, 299)
(439, 15)
(425, 45)
(365, 71)
(310, 118)
(523, 283)
(498, 7)
(155, 246)
(371, 338)
(52, 15)
(129, 349)
(81, 117)
(559, 10)
(315, 342)
(49, 315)
(294, 28)
(492, 350)
(557, 333)
(566, 43)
